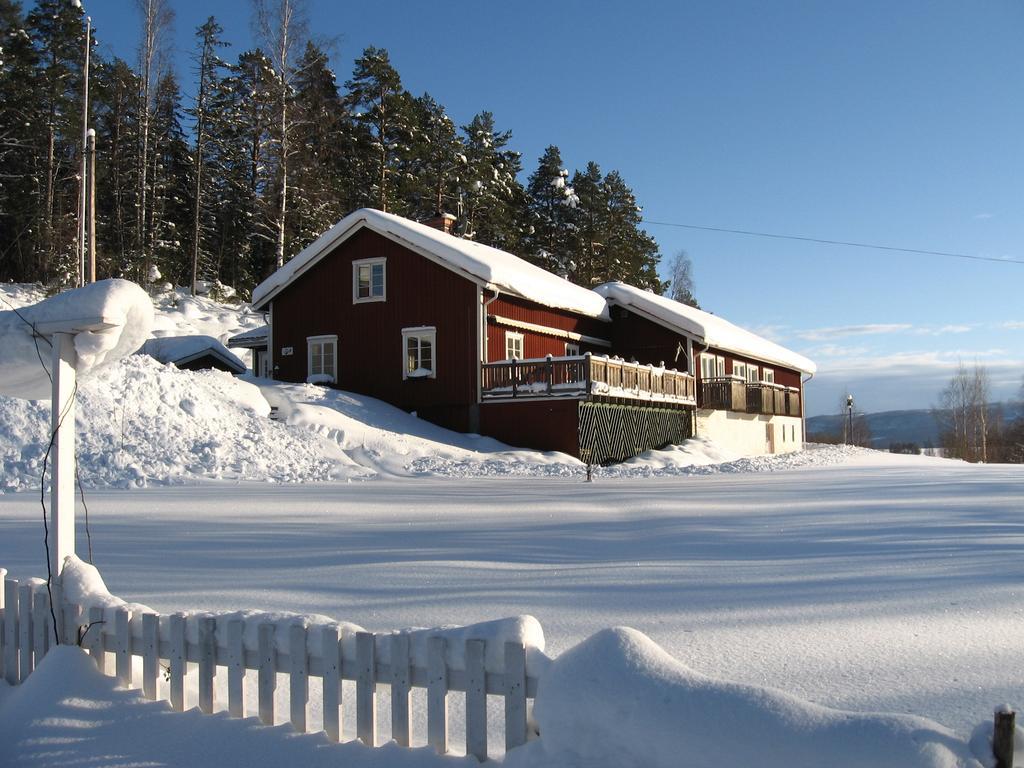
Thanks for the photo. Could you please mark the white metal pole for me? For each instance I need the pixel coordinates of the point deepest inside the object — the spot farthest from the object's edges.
(62, 454)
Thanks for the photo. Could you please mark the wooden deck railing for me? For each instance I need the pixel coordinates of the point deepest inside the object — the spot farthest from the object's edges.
(732, 394)
(584, 376)
(723, 394)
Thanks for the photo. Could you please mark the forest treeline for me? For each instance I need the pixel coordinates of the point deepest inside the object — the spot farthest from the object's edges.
(266, 153)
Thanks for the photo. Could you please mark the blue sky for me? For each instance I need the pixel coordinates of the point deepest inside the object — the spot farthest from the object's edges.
(878, 122)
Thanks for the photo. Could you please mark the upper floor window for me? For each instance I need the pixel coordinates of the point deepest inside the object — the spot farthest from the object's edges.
(768, 375)
(419, 347)
(369, 280)
(751, 373)
(739, 370)
(513, 345)
(711, 366)
(322, 359)
(572, 350)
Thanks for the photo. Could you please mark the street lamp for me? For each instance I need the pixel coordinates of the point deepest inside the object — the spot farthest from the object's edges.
(849, 419)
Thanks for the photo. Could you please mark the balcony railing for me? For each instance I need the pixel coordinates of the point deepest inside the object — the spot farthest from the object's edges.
(734, 394)
(585, 376)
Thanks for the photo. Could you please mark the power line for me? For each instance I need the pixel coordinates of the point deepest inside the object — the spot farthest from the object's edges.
(776, 236)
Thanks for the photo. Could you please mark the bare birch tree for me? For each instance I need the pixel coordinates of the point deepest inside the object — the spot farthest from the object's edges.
(282, 26)
(963, 414)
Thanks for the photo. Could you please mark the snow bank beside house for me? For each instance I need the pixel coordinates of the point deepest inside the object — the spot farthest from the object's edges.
(109, 319)
(142, 423)
(617, 699)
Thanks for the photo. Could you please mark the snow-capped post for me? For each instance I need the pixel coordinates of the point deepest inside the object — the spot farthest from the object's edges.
(551, 372)
(1002, 736)
(62, 472)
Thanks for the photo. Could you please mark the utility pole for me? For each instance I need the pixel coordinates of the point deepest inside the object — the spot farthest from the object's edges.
(82, 186)
(92, 205)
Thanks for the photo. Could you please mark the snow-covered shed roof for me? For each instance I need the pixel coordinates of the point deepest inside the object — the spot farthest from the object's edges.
(484, 265)
(709, 329)
(182, 350)
(109, 320)
(254, 337)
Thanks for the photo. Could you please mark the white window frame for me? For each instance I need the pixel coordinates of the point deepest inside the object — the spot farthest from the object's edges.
(572, 350)
(739, 370)
(711, 366)
(369, 263)
(768, 375)
(419, 332)
(510, 338)
(310, 342)
(752, 374)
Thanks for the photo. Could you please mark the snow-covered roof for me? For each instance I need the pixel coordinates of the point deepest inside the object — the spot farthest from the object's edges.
(109, 320)
(181, 350)
(480, 263)
(254, 337)
(707, 328)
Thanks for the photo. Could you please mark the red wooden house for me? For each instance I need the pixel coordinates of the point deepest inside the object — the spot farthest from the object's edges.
(476, 339)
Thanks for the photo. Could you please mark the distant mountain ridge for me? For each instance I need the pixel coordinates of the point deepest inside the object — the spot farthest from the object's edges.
(887, 427)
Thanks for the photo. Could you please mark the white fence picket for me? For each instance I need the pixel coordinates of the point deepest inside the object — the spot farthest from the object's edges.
(515, 695)
(207, 662)
(298, 689)
(366, 689)
(178, 661)
(236, 668)
(267, 679)
(476, 700)
(94, 636)
(41, 623)
(3, 614)
(332, 673)
(437, 695)
(72, 623)
(401, 687)
(123, 646)
(24, 631)
(150, 653)
(11, 631)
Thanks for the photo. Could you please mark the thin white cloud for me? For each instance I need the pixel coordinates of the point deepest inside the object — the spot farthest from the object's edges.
(984, 216)
(1014, 325)
(776, 333)
(840, 331)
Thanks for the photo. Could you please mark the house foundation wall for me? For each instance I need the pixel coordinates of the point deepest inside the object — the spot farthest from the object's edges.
(750, 434)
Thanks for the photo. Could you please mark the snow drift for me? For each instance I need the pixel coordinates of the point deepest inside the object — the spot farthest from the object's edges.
(617, 699)
(110, 319)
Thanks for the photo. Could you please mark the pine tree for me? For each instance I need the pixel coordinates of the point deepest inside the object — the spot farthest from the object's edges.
(209, 67)
(19, 119)
(551, 200)
(493, 206)
(170, 177)
(429, 166)
(380, 108)
(631, 255)
(590, 223)
(58, 34)
(115, 97)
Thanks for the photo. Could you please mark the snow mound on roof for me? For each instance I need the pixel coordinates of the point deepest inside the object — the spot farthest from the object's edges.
(711, 329)
(489, 265)
(142, 423)
(617, 699)
(25, 355)
(182, 349)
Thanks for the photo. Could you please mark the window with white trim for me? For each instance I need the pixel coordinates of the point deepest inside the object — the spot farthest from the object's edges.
(572, 350)
(739, 370)
(369, 280)
(767, 375)
(752, 373)
(419, 353)
(322, 359)
(711, 366)
(513, 345)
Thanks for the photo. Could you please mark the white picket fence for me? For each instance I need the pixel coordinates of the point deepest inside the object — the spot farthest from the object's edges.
(27, 634)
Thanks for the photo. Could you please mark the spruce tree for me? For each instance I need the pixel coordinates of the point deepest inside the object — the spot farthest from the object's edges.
(551, 201)
(590, 220)
(493, 206)
(631, 255)
(431, 162)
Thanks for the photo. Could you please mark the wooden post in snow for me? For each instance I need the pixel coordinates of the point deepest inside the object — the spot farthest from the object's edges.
(1002, 737)
(62, 454)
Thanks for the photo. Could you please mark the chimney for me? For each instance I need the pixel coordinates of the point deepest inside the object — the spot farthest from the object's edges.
(443, 221)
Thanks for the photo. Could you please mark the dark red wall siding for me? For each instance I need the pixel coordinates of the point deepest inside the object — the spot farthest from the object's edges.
(370, 355)
(546, 425)
(787, 377)
(538, 344)
(649, 343)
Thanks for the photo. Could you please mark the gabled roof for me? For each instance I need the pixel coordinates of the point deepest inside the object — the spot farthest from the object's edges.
(709, 329)
(486, 266)
(254, 338)
(181, 350)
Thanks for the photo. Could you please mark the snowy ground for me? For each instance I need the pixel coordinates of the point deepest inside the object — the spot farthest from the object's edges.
(882, 584)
